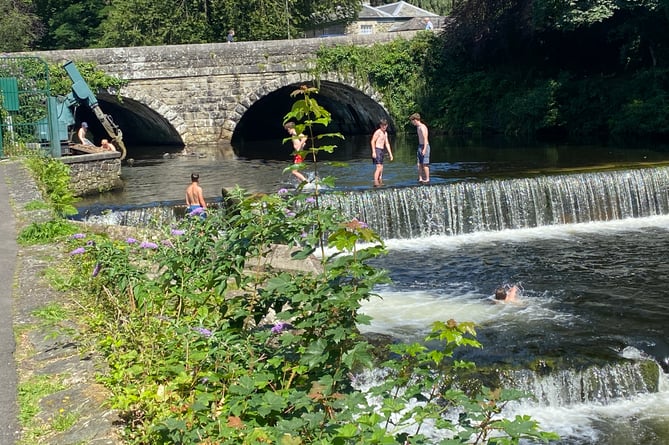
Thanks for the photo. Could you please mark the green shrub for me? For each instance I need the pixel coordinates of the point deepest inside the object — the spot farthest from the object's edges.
(46, 232)
(54, 178)
(208, 342)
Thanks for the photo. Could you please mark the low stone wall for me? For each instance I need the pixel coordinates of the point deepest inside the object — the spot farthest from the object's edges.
(94, 173)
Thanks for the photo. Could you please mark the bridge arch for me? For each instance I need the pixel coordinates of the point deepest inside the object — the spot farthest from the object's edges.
(356, 109)
(145, 121)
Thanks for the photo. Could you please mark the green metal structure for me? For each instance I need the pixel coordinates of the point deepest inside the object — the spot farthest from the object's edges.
(32, 119)
(26, 107)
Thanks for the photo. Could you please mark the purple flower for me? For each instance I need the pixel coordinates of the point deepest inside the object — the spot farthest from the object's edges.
(96, 270)
(282, 191)
(290, 213)
(310, 200)
(131, 240)
(355, 224)
(304, 234)
(90, 243)
(203, 332)
(279, 327)
(196, 211)
(78, 236)
(148, 245)
(78, 251)
(178, 232)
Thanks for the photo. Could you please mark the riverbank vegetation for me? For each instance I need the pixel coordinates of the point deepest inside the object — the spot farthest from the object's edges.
(588, 71)
(206, 341)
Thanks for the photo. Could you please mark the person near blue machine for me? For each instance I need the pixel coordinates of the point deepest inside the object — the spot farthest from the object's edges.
(380, 146)
(81, 134)
(194, 197)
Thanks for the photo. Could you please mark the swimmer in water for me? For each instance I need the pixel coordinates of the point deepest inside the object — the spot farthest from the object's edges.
(504, 295)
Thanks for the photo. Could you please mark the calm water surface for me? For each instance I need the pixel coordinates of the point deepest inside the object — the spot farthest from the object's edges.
(157, 178)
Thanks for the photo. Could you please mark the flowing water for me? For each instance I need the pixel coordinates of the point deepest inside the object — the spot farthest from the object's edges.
(584, 230)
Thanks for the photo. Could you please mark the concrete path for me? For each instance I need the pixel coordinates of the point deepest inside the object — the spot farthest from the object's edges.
(9, 432)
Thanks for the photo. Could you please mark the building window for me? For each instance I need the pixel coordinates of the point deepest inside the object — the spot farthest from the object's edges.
(366, 29)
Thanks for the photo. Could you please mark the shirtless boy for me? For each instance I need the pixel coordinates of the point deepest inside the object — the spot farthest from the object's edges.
(380, 145)
(423, 152)
(194, 196)
(506, 295)
(81, 134)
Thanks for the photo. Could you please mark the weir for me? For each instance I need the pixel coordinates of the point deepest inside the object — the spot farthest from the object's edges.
(494, 205)
(597, 384)
(469, 207)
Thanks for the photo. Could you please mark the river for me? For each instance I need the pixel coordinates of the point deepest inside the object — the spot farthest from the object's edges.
(583, 230)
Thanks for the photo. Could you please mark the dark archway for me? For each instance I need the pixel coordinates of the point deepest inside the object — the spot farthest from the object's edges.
(143, 128)
(353, 113)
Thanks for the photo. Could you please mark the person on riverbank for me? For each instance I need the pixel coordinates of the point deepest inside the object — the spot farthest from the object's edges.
(299, 142)
(423, 152)
(380, 146)
(81, 134)
(194, 196)
(106, 145)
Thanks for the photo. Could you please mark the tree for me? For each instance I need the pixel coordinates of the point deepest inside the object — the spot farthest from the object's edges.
(147, 22)
(19, 27)
(70, 23)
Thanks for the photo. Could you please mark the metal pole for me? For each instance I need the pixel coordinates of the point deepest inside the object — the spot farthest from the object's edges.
(287, 20)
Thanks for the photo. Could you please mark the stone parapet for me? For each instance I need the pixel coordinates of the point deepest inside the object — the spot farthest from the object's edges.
(94, 173)
(197, 94)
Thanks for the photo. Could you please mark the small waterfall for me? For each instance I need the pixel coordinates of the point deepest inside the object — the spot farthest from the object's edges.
(597, 384)
(469, 207)
(151, 217)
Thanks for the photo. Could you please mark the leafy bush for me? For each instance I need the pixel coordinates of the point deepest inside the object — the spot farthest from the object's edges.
(46, 232)
(54, 178)
(208, 341)
(394, 69)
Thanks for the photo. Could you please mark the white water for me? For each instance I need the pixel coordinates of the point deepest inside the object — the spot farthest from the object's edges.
(405, 311)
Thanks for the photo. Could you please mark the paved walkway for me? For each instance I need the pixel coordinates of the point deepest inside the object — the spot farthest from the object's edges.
(42, 350)
(8, 256)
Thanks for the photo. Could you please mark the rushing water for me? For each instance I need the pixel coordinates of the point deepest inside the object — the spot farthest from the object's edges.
(589, 248)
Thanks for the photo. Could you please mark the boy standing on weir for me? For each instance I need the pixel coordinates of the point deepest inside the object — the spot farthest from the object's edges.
(194, 196)
(380, 145)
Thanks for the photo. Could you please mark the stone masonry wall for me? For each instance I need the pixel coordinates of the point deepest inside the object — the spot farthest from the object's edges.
(203, 90)
(94, 173)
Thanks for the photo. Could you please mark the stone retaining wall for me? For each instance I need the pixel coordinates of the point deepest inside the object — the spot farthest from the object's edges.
(94, 173)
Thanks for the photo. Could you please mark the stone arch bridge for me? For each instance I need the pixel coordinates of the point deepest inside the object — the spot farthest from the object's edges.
(222, 93)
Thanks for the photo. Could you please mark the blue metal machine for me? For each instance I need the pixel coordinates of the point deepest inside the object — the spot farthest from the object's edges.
(61, 114)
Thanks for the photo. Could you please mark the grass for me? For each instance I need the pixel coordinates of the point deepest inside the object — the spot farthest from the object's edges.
(30, 393)
(37, 205)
